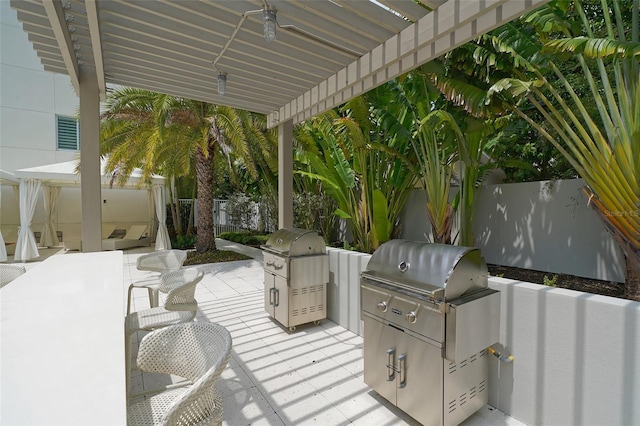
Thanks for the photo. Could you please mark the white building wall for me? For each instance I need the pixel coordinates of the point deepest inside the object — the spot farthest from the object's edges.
(30, 98)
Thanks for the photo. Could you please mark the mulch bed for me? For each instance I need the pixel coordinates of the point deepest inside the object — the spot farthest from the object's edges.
(571, 282)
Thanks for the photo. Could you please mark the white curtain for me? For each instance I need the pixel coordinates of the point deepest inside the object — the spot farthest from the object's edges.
(151, 213)
(26, 247)
(162, 238)
(49, 236)
(3, 249)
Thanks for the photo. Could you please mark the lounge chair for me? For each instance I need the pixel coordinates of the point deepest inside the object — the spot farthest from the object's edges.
(72, 235)
(135, 236)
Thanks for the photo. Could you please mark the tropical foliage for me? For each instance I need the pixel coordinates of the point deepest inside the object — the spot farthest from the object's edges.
(597, 130)
(174, 136)
(361, 165)
(448, 146)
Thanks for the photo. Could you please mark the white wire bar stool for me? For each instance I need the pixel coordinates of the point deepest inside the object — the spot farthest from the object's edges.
(199, 352)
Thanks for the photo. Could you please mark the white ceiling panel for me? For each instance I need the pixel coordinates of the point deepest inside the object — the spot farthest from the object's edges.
(331, 48)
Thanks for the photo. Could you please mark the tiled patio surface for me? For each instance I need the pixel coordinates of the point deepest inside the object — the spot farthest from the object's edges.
(311, 376)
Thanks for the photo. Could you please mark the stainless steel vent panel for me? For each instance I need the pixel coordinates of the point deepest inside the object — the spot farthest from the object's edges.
(439, 270)
(292, 242)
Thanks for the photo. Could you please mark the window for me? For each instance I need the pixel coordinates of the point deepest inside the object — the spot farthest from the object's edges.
(67, 131)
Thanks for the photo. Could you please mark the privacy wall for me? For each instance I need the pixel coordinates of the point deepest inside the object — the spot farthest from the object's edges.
(544, 226)
(576, 357)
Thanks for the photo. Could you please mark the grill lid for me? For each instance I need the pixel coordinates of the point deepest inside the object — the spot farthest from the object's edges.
(439, 271)
(295, 242)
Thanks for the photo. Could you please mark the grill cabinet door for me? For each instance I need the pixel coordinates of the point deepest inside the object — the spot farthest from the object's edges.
(276, 297)
(379, 341)
(269, 293)
(404, 370)
(281, 301)
(419, 380)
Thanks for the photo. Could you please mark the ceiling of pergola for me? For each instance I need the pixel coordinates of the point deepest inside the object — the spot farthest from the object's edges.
(326, 51)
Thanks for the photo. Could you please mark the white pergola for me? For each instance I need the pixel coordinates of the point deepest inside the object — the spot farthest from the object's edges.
(325, 53)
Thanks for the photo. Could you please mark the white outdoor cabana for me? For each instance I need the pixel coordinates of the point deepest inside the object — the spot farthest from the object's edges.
(288, 59)
(53, 177)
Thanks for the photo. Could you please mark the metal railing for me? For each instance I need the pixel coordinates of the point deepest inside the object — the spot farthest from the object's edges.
(222, 220)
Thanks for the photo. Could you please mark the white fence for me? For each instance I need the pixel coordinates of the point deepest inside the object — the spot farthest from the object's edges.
(222, 221)
(544, 226)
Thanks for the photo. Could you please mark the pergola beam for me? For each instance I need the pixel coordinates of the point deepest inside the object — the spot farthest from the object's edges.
(96, 45)
(57, 19)
(451, 25)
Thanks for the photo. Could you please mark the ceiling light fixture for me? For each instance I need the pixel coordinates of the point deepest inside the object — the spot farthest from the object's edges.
(269, 16)
(222, 84)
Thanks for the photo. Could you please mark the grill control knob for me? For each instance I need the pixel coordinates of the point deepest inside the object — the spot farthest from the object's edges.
(411, 317)
(382, 306)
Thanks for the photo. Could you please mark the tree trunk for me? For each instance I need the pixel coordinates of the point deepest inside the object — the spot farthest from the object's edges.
(205, 239)
(174, 206)
(192, 209)
(631, 253)
(632, 283)
(442, 231)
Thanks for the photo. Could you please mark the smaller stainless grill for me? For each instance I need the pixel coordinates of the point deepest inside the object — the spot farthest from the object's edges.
(296, 274)
(428, 319)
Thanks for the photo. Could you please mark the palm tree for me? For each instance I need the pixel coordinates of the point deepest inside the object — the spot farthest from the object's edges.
(164, 134)
(598, 130)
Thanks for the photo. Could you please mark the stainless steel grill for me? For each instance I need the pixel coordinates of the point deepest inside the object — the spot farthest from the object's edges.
(428, 319)
(296, 273)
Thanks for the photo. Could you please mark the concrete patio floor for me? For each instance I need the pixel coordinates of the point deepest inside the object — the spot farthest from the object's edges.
(311, 376)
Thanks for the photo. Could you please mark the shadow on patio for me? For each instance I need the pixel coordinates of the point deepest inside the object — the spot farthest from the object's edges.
(311, 376)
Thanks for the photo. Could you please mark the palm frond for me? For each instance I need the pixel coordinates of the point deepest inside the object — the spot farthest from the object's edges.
(593, 48)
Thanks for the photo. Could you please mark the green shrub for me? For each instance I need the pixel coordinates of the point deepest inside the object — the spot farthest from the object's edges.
(241, 211)
(246, 238)
(184, 242)
(316, 212)
(194, 258)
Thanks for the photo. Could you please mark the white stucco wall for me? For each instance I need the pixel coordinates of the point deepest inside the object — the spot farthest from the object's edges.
(544, 226)
(343, 290)
(30, 98)
(576, 357)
